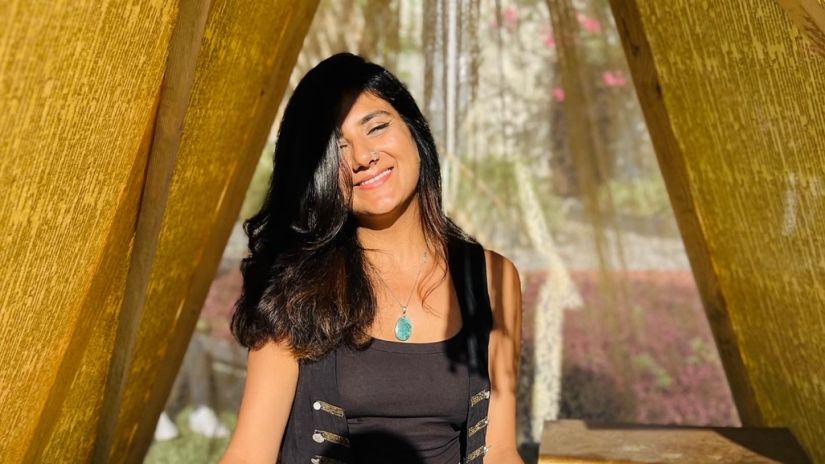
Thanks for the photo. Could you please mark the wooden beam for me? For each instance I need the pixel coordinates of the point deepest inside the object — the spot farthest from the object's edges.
(734, 98)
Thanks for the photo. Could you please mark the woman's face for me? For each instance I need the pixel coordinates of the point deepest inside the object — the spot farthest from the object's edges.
(379, 155)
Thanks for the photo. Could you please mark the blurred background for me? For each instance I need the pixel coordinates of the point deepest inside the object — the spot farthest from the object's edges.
(545, 158)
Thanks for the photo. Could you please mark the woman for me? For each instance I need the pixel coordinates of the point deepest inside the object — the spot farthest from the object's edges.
(377, 330)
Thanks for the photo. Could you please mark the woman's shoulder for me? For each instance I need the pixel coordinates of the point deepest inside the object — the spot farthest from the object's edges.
(500, 269)
(503, 285)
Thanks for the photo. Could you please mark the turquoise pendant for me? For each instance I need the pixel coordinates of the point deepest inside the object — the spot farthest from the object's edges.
(403, 328)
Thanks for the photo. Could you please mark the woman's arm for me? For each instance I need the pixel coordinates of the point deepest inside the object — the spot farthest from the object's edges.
(271, 380)
(504, 287)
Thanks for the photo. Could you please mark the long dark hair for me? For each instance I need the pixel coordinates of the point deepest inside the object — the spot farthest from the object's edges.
(306, 281)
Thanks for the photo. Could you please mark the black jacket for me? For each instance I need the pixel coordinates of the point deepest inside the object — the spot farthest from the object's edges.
(317, 432)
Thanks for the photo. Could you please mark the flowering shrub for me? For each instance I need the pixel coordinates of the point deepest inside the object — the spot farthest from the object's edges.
(650, 359)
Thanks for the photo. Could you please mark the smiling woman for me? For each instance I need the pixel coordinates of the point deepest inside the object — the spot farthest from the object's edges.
(378, 331)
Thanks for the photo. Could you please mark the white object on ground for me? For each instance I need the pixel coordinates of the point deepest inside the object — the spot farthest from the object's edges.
(204, 421)
(165, 429)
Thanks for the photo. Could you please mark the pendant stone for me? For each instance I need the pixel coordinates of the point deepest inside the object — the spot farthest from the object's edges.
(403, 328)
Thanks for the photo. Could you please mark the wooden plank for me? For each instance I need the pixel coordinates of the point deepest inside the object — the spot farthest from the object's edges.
(574, 441)
(113, 222)
(175, 95)
(734, 98)
(248, 51)
(809, 17)
(77, 104)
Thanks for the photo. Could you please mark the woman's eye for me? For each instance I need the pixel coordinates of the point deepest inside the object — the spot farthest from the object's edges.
(378, 128)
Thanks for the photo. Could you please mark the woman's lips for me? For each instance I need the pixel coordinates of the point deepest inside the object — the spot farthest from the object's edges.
(375, 181)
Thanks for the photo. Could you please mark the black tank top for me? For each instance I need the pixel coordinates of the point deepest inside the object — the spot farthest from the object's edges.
(318, 430)
(405, 402)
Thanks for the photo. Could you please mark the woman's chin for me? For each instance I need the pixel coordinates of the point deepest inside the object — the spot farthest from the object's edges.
(381, 211)
(375, 213)
(377, 206)
(387, 207)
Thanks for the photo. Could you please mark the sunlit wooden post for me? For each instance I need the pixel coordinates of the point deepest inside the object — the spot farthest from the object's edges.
(734, 97)
(131, 131)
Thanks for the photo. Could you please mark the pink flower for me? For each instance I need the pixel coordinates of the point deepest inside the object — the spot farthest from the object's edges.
(549, 40)
(510, 16)
(591, 25)
(614, 78)
(558, 94)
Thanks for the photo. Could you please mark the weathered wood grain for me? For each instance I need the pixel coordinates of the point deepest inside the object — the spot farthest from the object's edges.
(734, 97)
(575, 441)
(122, 173)
(79, 88)
(247, 53)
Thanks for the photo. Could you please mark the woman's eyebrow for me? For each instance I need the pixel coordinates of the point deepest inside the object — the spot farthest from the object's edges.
(372, 115)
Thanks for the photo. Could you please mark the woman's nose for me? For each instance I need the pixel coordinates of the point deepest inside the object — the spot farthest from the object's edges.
(364, 156)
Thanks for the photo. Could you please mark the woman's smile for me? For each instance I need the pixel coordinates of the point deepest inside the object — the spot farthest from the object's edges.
(375, 181)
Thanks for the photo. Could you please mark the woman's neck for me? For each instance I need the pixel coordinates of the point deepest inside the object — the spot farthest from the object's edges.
(400, 242)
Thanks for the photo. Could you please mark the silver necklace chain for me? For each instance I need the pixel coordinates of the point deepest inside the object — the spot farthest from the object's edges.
(417, 275)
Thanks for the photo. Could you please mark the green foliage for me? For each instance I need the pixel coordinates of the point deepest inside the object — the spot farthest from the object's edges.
(701, 351)
(551, 204)
(492, 180)
(646, 362)
(190, 446)
(490, 192)
(643, 197)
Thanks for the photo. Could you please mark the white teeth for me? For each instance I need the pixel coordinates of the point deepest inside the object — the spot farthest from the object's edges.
(376, 178)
